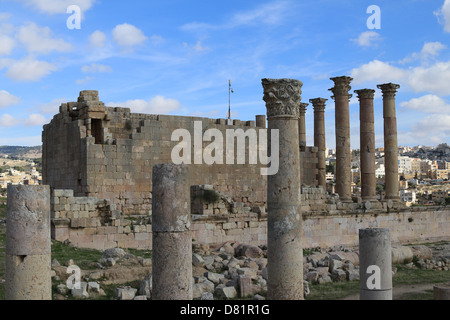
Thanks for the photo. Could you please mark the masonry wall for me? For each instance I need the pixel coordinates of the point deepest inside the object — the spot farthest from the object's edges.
(109, 153)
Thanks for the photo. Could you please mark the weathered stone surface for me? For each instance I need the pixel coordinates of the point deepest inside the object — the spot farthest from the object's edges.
(125, 293)
(225, 292)
(81, 292)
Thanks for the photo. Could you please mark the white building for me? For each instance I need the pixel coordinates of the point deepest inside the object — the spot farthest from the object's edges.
(380, 170)
(408, 196)
(404, 164)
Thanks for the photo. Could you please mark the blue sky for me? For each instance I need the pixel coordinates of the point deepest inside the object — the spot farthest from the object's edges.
(176, 57)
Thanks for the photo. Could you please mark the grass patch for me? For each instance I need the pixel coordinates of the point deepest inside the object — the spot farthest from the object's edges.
(426, 295)
(84, 258)
(332, 290)
(407, 276)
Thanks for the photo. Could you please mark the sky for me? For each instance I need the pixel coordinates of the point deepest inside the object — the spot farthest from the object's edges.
(177, 57)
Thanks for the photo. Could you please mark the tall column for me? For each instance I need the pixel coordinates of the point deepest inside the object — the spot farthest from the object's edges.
(28, 245)
(390, 141)
(302, 125)
(367, 144)
(319, 139)
(375, 264)
(343, 152)
(284, 222)
(172, 238)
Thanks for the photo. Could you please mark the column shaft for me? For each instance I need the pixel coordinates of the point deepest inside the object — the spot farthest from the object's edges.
(285, 254)
(367, 144)
(302, 126)
(28, 245)
(390, 141)
(319, 139)
(375, 263)
(343, 152)
(261, 121)
(172, 238)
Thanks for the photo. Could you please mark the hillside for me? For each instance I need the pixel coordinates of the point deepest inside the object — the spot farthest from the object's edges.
(21, 152)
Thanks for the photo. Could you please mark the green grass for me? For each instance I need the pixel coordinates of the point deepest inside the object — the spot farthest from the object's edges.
(427, 295)
(84, 258)
(332, 290)
(407, 276)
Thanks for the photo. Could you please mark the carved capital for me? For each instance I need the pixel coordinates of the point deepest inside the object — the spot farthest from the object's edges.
(282, 97)
(302, 108)
(341, 86)
(319, 104)
(389, 89)
(365, 93)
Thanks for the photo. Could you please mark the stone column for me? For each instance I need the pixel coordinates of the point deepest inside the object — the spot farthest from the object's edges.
(284, 222)
(28, 245)
(302, 125)
(367, 144)
(375, 263)
(319, 139)
(441, 291)
(261, 121)
(343, 152)
(390, 141)
(172, 238)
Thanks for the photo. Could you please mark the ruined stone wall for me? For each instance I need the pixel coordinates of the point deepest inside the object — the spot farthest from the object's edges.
(109, 153)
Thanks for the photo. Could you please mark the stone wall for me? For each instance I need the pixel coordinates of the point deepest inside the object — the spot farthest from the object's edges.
(326, 221)
(109, 153)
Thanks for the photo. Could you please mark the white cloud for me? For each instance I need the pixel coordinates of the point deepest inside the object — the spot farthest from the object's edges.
(39, 39)
(35, 119)
(96, 68)
(433, 79)
(58, 6)
(428, 104)
(432, 129)
(443, 15)
(368, 39)
(97, 39)
(429, 50)
(51, 107)
(29, 70)
(197, 47)
(7, 99)
(378, 71)
(127, 35)
(7, 120)
(5, 16)
(84, 80)
(6, 44)
(157, 105)
(269, 13)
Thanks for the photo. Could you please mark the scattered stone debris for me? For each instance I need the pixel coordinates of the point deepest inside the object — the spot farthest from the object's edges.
(234, 270)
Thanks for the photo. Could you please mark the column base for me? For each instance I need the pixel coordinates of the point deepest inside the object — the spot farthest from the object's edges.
(346, 200)
(371, 199)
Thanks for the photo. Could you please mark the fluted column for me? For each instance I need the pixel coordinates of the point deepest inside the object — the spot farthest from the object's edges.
(284, 222)
(343, 152)
(367, 144)
(390, 140)
(319, 139)
(302, 125)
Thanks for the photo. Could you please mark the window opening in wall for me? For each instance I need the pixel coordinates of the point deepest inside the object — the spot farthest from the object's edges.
(97, 130)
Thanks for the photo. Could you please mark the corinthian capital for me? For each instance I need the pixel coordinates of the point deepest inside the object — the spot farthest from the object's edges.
(389, 89)
(282, 97)
(319, 104)
(341, 86)
(302, 108)
(365, 93)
